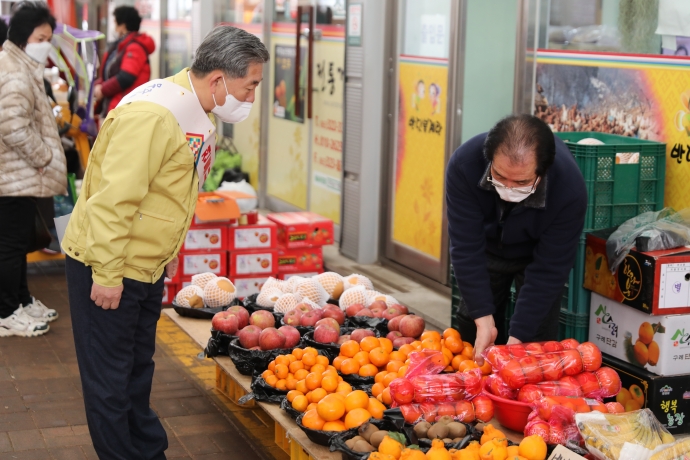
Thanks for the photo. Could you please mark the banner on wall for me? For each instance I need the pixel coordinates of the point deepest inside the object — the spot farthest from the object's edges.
(645, 97)
(420, 156)
(284, 98)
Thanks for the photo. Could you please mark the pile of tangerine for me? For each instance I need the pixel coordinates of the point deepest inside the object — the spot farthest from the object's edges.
(338, 412)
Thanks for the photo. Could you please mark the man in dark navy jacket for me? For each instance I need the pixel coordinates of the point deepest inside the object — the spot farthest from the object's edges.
(516, 206)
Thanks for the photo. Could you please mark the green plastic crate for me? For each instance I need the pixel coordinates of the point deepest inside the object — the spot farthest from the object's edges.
(618, 192)
(573, 326)
(575, 297)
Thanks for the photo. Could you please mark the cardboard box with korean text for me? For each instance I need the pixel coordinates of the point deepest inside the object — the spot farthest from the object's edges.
(248, 285)
(302, 229)
(563, 453)
(194, 263)
(261, 235)
(660, 344)
(255, 262)
(300, 260)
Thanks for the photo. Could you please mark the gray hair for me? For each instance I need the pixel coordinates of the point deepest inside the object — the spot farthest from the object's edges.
(229, 49)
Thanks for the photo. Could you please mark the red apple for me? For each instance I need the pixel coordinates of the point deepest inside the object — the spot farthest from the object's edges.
(271, 338)
(343, 338)
(262, 318)
(377, 313)
(325, 333)
(225, 322)
(292, 336)
(400, 341)
(391, 313)
(365, 312)
(310, 318)
(304, 307)
(394, 324)
(358, 334)
(393, 335)
(331, 311)
(353, 309)
(249, 336)
(331, 322)
(292, 317)
(378, 305)
(402, 308)
(412, 326)
(242, 315)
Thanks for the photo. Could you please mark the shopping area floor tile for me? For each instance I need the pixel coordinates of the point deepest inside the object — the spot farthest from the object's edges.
(42, 411)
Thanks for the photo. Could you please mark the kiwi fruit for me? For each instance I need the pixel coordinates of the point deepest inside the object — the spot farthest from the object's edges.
(351, 442)
(447, 441)
(363, 446)
(480, 426)
(456, 440)
(446, 419)
(421, 429)
(438, 431)
(377, 437)
(456, 430)
(367, 430)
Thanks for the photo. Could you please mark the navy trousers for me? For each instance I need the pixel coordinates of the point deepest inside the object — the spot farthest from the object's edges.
(115, 355)
(17, 216)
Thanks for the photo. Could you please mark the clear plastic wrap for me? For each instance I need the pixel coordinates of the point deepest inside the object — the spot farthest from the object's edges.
(566, 386)
(498, 387)
(498, 354)
(678, 450)
(433, 388)
(600, 384)
(480, 408)
(629, 436)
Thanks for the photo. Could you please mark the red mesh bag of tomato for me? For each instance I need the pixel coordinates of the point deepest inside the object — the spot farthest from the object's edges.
(600, 384)
(497, 355)
(479, 409)
(532, 369)
(498, 387)
(433, 388)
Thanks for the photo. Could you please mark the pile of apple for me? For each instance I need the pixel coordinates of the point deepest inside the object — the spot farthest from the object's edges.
(403, 328)
(307, 316)
(377, 309)
(256, 331)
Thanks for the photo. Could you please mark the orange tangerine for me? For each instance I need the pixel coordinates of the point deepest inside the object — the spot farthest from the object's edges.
(301, 374)
(467, 365)
(317, 395)
(397, 356)
(386, 344)
(369, 343)
(431, 344)
(355, 399)
(318, 368)
(282, 371)
(297, 353)
(311, 351)
(379, 377)
(377, 389)
(266, 373)
(272, 366)
(394, 366)
(335, 425)
(368, 370)
(313, 380)
(454, 344)
(308, 360)
(331, 368)
(417, 344)
(378, 357)
(447, 356)
(376, 408)
(292, 395)
(311, 419)
(330, 371)
(290, 383)
(386, 397)
(311, 406)
(322, 360)
(300, 403)
(448, 369)
(344, 388)
(450, 332)
(330, 408)
(402, 371)
(302, 386)
(356, 417)
(282, 359)
(349, 366)
(433, 335)
(468, 352)
(272, 380)
(486, 368)
(329, 383)
(349, 348)
(281, 385)
(338, 360)
(455, 363)
(407, 349)
(362, 358)
(291, 358)
(295, 366)
(389, 378)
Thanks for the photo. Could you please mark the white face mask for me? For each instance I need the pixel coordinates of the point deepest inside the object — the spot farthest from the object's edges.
(233, 111)
(513, 194)
(38, 51)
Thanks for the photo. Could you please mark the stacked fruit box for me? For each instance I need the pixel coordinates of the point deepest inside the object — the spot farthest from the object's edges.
(301, 237)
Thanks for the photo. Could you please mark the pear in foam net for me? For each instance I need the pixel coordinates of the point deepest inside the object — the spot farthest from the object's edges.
(191, 297)
(311, 289)
(355, 280)
(219, 292)
(355, 295)
(202, 279)
(333, 283)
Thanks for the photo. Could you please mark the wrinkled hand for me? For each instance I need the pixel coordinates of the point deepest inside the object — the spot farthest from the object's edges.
(108, 298)
(97, 92)
(171, 268)
(513, 341)
(486, 336)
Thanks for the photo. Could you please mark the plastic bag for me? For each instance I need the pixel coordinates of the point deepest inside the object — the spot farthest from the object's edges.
(678, 450)
(600, 384)
(480, 408)
(518, 372)
(245, 204)
(436, 388)
(665, 229)
(630, 436)
(498, 387)
(499, 354)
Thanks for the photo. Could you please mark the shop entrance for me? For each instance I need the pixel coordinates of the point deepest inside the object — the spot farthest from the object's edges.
(424, 120)
(305, 107)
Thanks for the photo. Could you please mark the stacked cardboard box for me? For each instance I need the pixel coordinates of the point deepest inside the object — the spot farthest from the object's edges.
(640, 318)
(301, 237)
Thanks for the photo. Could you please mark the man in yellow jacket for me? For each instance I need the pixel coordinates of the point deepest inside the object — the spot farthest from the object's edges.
(136, 205)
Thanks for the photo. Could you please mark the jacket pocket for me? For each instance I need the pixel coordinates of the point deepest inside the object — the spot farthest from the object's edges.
(151, 239)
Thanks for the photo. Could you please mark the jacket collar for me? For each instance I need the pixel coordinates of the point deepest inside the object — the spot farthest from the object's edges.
(13, 50)
(181, 78)
(536, 200)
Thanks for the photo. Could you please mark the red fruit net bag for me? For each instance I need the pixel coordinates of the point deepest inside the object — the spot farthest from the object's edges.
(556, 431)
(602, 383)
(566, 386)
(498, 354)
(518, 372)
(498, 387)
(434, 388)
(425, 362)
(479, 409)
(564, 407)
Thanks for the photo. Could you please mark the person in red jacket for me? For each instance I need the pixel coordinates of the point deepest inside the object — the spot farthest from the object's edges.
(126, 64)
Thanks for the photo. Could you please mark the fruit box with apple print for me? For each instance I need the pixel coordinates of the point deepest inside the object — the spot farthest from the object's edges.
(302, 229)
(659, 344)
(211, 238)
(195, 263)
(302, 260)
(255, 236)
(253, 262)
(655, 282)
(667, 397)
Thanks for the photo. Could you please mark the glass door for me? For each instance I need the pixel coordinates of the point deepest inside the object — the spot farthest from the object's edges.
(423, 135)
(304, 160)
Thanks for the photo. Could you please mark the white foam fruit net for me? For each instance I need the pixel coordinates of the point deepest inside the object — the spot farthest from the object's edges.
(268, 297)
(191, 297)
(308, 302)
(371, 294)
(353, 296)
(332, 282)
(390, 300)
(312, 289)
(358, 280)
(219, 292)
(202, 279)
(291, 284)
(286, 302)
(272, 283)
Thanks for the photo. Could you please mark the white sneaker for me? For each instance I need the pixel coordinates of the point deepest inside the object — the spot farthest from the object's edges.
(21, 324)
(40, 312)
